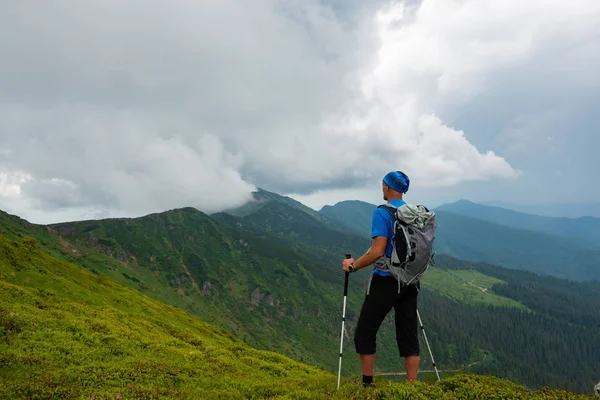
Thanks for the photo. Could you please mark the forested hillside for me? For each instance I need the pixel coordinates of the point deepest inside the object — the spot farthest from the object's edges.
(559, 328)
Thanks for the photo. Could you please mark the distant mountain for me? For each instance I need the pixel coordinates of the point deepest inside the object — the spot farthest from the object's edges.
(585, 229)
(302, 228)
(355, 214)
(475, 239)
(263, 198)
(569, 210)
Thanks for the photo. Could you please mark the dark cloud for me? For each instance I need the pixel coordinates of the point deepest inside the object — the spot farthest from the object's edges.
(127, 108)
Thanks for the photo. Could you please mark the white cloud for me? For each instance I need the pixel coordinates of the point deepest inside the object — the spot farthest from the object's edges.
(122, 165)
(11, 182)
(139, 106)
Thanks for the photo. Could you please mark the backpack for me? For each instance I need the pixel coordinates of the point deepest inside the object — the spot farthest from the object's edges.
(412, 243)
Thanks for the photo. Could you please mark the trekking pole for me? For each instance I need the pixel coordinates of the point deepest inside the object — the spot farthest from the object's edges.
(427, 341)
(343, 320)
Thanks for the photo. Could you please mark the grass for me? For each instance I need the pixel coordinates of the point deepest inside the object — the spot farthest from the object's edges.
(68, 334)
(65, 333)
(468, 286)
(300, 302)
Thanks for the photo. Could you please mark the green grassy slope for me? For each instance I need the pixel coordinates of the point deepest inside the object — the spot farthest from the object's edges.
(270, 290)
(265, 292)
(469, 287)
(256, 286)
(68, 334)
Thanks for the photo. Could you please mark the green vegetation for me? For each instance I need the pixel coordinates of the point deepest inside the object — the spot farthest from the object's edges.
(566, 301)
(272, 279)
(258, 287)
(68, 334)
(253, 286)
(300, 230)
(468, 286)
(555, 344)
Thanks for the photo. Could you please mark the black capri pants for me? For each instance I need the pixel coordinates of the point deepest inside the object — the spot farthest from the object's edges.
(382, 296)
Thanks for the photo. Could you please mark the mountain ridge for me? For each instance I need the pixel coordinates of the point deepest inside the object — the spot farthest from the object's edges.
(262, 198)
(570, 210)
(585, 229)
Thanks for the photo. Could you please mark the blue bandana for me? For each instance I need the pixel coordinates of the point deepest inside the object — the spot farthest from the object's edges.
(397, 180)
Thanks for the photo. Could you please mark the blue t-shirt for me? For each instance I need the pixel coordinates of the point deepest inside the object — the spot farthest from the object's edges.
(383, 225)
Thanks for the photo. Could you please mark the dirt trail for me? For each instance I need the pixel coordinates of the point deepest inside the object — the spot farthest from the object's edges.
(431, 370)
(472, 283)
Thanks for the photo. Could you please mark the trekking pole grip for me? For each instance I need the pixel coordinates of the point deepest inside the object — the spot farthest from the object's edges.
(346, 279)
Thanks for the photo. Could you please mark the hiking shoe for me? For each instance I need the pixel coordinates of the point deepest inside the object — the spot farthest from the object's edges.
(367, 385)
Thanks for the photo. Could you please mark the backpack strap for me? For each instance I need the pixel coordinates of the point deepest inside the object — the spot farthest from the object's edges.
(392, 210)
(388, 207)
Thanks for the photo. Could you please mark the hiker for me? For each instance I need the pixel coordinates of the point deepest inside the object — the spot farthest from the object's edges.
(382, 294)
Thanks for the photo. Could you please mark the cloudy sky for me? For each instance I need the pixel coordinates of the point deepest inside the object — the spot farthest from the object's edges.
(126, 107)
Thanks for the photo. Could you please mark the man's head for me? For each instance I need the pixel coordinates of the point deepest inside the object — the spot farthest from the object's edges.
(394, 184)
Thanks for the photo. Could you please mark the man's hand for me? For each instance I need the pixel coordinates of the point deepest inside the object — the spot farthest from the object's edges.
(375, 251)
(346, 264)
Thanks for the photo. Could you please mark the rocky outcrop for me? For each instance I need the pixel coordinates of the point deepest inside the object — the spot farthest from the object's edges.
(206, 287)
(272, 301)
(256, 297)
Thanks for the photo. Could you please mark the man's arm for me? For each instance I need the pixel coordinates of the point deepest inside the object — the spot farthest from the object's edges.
(380, 232)
(376, 251)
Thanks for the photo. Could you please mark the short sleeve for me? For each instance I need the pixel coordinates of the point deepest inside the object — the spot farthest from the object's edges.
(379, 224)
